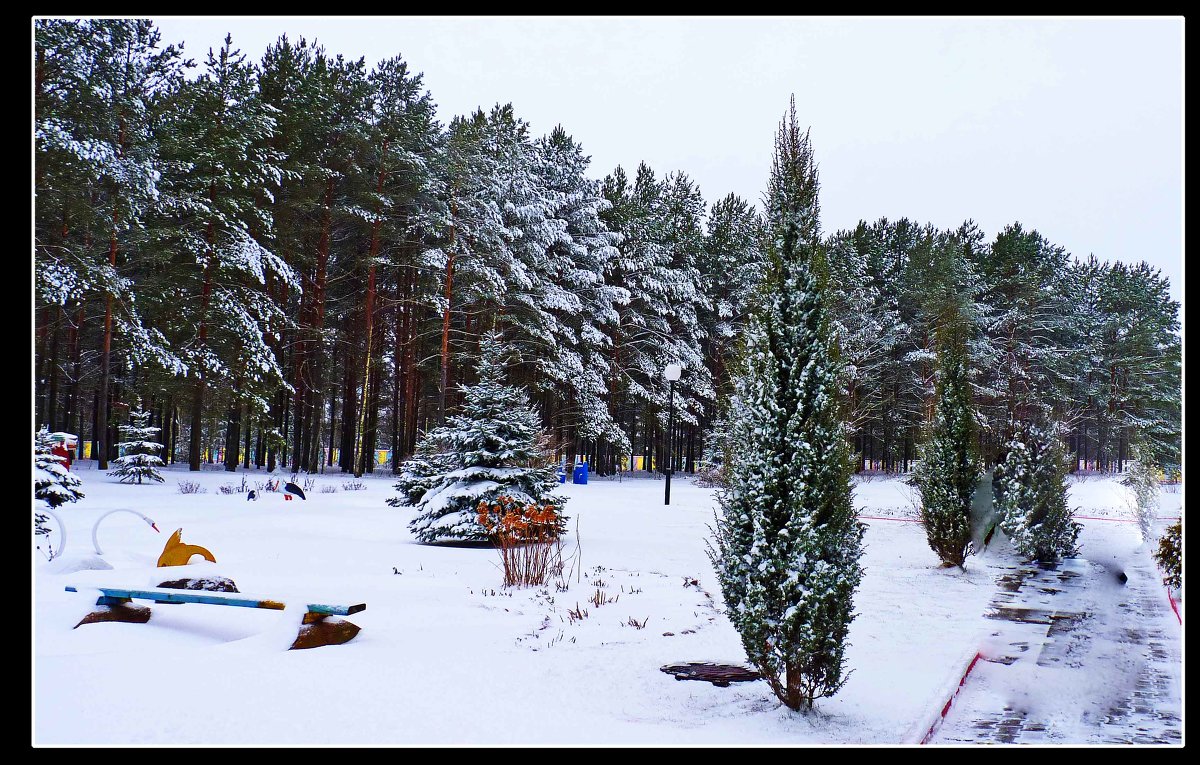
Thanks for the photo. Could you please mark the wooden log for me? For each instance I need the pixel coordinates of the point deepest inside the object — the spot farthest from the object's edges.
(322, 629)
(124, 612)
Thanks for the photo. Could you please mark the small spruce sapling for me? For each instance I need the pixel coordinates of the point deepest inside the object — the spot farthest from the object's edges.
(53, 483)
(140, 461)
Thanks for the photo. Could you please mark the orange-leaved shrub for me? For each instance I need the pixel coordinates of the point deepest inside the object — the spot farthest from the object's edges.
(526, 536)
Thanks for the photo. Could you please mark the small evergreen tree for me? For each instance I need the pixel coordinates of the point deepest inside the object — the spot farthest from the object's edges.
(949, 469)
(489, 450)
(787, 544)
(1033, 498)
(140, 461)
(713, 468)
(1170, 555)
(1144, 484)
(53, 483)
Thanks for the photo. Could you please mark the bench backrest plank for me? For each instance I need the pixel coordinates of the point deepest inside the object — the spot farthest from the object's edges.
(217, 599)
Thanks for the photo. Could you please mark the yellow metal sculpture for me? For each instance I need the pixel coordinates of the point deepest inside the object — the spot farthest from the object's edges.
(176, 553)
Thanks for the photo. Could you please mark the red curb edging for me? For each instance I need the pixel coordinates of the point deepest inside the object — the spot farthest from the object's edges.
(1174, 607)
(950, 701)
(1119, 520)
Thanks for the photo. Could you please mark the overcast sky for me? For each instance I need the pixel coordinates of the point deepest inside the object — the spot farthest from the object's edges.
(1071, 126)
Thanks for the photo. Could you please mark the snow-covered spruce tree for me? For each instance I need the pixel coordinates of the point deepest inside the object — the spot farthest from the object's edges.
(489, 450)
(140, 461)
(786, 545)
(53, 484)
(433, 458)
(1143, 482)
(949, 469)
(1032, 500)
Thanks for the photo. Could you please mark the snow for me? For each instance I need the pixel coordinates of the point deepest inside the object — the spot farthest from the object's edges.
(446, 656)
(1106, 670)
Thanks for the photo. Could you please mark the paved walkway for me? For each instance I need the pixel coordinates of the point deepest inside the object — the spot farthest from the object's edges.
(1077, 656)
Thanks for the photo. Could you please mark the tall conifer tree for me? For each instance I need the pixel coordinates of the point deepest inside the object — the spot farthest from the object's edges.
(787, 544)
(949, 468)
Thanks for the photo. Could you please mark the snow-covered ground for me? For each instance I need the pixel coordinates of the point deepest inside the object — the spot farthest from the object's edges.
(446, 655)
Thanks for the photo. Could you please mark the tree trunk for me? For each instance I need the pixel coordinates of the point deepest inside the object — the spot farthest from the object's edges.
(233, 437)
(368, 320)
(51, 412)
(248, 430)
(74, 401)
(397, 374)
(371, 429)
(410, 390)
(205, 297)
(349, 407)
(106, 357)
(446, 313)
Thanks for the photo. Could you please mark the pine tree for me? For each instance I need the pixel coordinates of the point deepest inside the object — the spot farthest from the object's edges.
(99, 86)
(660, 222)
(1131, 381)
(221, 165)
(1032, 496)
(1031, 327)
(787, 545)
(140, 461)
(731, 265)
(571, 312)
(489, 450)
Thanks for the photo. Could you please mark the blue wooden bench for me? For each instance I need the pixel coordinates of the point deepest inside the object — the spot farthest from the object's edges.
(316, 629)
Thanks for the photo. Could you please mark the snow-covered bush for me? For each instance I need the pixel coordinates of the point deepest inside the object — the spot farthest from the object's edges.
(1170, 555)
(140, 461)
(1031, 496)
(489, 450)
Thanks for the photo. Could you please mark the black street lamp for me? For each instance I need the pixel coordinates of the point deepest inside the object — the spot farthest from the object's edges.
(672, 373)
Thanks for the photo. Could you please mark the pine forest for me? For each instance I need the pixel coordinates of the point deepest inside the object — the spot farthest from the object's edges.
(291, 263)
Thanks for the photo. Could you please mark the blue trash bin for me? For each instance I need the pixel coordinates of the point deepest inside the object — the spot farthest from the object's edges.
(580, 474)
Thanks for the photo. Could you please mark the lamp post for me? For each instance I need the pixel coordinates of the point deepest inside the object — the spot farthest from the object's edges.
(672, 373)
